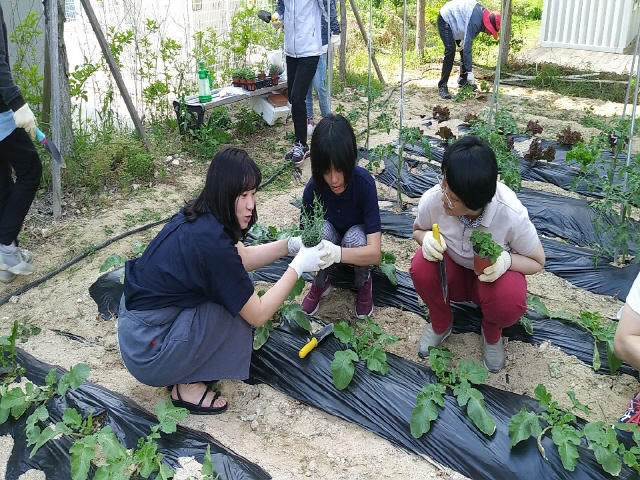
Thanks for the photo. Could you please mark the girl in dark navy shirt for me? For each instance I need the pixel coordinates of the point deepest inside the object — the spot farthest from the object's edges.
(189, 304)
(351, 230)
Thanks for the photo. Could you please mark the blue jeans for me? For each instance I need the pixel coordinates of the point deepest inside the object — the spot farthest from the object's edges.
(319, 85)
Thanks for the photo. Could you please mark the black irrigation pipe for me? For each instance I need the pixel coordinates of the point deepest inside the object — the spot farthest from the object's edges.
(106, 243)
(76, 259)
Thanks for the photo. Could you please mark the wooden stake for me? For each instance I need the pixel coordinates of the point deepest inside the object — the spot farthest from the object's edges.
(115, 71)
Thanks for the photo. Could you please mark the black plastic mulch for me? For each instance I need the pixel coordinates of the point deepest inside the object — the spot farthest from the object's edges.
(383, 404)
(127, 421)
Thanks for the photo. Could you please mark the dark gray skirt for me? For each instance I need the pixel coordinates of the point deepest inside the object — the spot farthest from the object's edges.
(181, 345)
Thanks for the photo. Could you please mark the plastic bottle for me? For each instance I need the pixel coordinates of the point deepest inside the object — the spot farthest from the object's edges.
(204, 84)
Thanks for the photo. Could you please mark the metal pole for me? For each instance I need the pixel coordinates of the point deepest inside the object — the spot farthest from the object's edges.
(496, 78)
(52, 5)
(633, 63)
(370, 52)
(329, 55)
(631, 130)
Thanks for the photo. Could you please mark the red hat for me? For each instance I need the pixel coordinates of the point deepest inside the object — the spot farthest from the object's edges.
(491, 21)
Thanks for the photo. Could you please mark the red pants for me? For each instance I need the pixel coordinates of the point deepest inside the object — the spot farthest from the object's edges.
(502, 302)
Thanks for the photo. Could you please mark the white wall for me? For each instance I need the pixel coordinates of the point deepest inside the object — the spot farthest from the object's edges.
(597, 25)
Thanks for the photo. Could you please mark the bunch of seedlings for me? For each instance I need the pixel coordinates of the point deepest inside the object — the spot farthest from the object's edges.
(569, 137)
(537, 152)
(312, 221)
(441, 114)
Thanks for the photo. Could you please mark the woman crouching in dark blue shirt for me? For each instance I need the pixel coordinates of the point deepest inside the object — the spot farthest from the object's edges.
(189, 304)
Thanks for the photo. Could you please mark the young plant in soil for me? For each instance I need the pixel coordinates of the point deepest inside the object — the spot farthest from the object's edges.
(312, 223)
(387, 266)
(446, 135)
(569, 137)
(441, 114)
(290, 310)
(534, 128)
(566, 434)
(506, 158)
(460, 380)
(592, 322)
(366, 341)
(537, 153)
(484, 247)
(464, 93)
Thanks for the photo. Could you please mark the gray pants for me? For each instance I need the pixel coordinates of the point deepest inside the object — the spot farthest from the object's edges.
(354, 237)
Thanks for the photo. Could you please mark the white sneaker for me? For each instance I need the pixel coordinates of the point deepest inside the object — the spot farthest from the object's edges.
(16, 262)
(6, 276)
(310, 128)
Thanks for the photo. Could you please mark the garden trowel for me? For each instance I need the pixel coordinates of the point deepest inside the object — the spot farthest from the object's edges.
(50, 147)
(315, 340)
(441, 264)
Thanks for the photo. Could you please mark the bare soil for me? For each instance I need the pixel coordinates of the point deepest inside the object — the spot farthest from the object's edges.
(288, 439)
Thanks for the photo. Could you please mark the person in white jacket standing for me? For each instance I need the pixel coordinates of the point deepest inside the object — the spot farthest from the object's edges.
(459, 23)
(302, 48)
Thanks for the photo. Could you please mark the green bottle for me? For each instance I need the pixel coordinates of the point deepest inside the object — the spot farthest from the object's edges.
(204, 85)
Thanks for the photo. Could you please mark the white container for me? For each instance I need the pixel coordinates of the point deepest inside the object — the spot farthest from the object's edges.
(269, 113)
(596, 25)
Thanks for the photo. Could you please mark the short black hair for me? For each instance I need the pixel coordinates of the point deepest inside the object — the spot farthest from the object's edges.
(333, 142)
(470, 168)
(231, 173)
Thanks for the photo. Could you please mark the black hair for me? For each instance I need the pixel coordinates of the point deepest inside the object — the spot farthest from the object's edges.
(333, 142)
(231, 173)
(470, 168)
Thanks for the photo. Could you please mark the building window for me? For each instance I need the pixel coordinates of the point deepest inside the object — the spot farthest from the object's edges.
(196, 5)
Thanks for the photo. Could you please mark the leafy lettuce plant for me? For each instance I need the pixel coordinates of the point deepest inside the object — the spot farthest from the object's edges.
(367, 342)
(460, 380)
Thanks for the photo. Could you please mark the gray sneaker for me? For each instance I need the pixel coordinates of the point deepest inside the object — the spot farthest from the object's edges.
(492, 354)
(16, 262)
(7, 277)
(429, 338)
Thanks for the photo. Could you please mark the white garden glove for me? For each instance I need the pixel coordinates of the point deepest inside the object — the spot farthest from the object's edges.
(294, 244)
(495, 271)
(470, 78)
(25, 118)
(276, 21)
(335, 40)
(308, 260)
(431, 249)
(332, 253)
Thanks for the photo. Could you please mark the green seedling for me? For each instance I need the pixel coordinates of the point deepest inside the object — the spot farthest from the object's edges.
(289, 310)
(366, 342)
(460, 380)
(600, 330)
(484, 246)
(563, 425)
(312, 223)
(387, 266)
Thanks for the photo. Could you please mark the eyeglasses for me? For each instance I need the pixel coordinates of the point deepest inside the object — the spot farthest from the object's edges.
(449, 202)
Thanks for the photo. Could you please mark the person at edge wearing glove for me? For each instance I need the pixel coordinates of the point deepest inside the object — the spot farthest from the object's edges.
(188, 304)
(302, 49)
(319, 79)
(17, 153)
(469, 197)
(459, 23)
(351, 231)
(626, 346)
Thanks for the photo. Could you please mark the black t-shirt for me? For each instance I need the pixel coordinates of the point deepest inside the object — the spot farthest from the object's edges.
(186, 264)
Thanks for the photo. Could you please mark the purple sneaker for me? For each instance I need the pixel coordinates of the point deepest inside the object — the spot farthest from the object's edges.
(364, 302)
(631, 416)
(311, 301)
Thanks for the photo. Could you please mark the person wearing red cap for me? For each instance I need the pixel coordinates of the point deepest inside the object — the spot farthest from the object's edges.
(459, 23)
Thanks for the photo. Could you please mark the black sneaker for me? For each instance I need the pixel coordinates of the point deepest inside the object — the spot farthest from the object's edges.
(467, 84)
(298, 153)
(444, 93)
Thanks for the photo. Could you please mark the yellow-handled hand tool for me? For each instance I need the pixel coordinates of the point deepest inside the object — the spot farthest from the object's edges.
(443, 269)
(317, 338)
